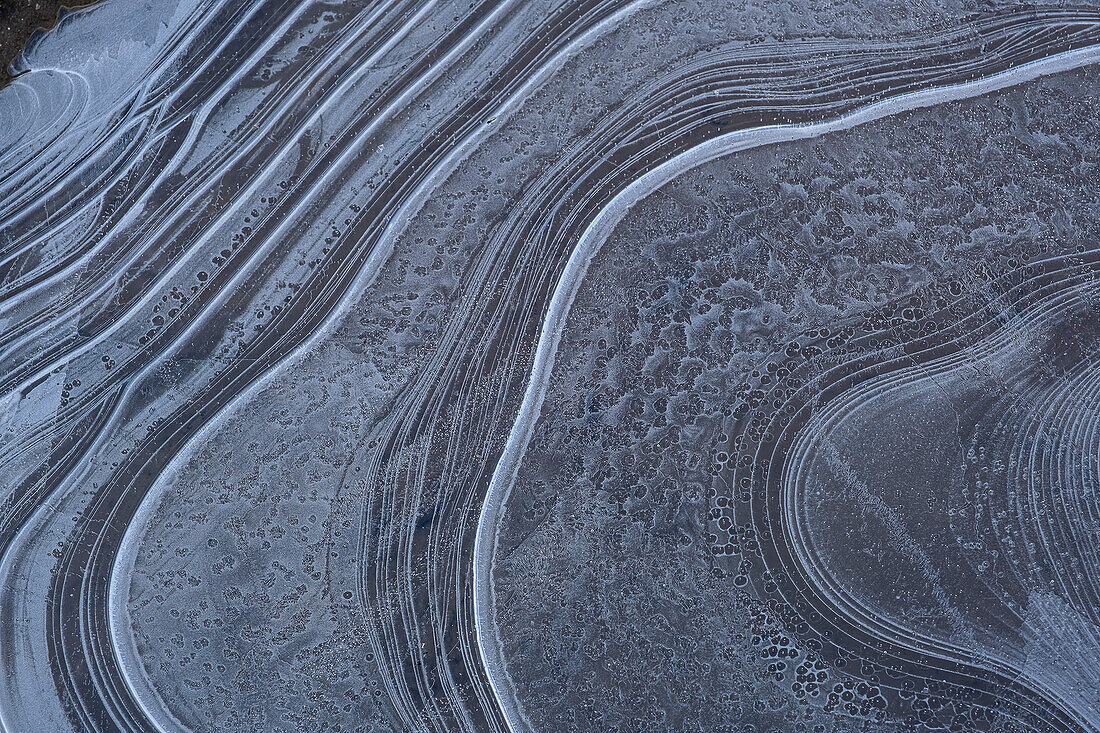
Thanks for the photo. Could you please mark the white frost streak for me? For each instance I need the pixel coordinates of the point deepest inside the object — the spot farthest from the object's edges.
(587, 246)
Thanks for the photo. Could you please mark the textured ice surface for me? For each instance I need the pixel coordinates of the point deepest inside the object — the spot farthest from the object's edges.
(551, 365)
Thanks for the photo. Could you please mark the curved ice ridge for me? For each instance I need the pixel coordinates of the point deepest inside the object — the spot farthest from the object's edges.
(120, 622)
(146, 165)
(587, 246)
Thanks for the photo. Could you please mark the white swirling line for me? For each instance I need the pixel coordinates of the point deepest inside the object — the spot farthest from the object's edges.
(564, 292)
(587, 246)
(118, 615)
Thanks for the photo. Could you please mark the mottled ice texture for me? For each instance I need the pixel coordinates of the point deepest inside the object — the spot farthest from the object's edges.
(552, 365)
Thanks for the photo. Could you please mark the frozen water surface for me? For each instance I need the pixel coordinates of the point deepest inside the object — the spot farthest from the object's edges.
(552, 365)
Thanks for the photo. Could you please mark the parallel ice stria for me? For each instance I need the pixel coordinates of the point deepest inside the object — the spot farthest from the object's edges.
(272, 280)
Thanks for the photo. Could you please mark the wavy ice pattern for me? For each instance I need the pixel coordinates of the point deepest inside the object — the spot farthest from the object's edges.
(552, 365)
